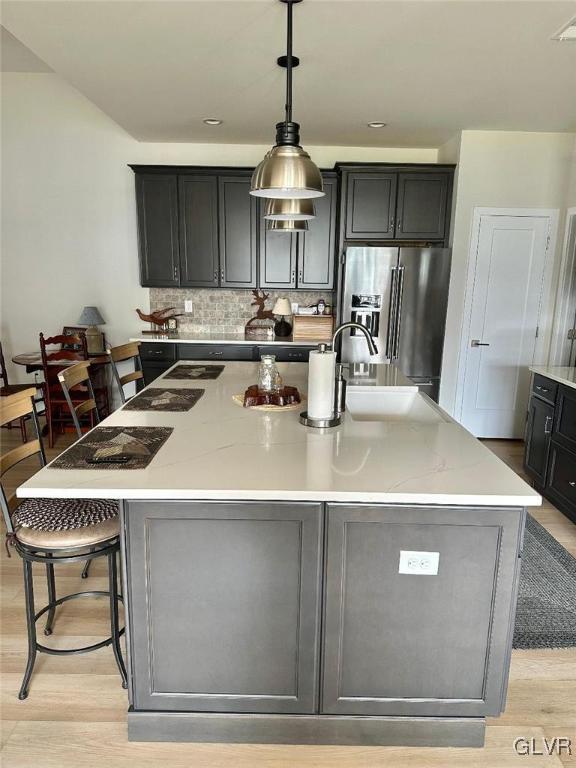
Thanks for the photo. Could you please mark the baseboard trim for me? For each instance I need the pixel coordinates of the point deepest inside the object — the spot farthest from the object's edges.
(306, 729)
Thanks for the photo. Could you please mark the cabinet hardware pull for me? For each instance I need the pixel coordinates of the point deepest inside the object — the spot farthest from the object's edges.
(548, 425)
(175, 272)
(478, 343)
(542, 389)
(572, 483)
(293, 275)
(221, 274)
(215, 275)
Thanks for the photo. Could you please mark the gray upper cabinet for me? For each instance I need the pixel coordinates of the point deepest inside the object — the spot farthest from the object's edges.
(370, 206)
(316, 247)
(198, 197)
(231, 595)
(238, 232)
(421, 207)
(394, 644)
(278, 256)
(157, 201)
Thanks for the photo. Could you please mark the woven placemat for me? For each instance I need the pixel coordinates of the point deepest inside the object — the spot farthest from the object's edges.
(195, 372)
(138, 444)
(157, 399)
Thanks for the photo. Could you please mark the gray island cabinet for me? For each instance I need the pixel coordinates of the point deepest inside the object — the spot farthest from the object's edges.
(288, 585)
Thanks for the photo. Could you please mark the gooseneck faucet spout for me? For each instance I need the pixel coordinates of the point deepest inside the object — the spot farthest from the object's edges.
(369, 340)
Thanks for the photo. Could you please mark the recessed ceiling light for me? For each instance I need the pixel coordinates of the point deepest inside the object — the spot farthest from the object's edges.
(376, 124)
(212, 121)
(567, 32)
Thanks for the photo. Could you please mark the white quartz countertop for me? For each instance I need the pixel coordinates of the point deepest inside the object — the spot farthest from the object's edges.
(219, 450)
(562, 374)
(221, 338)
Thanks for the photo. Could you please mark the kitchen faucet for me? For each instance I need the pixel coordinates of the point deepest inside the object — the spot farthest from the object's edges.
(369, 340)
(340, 388)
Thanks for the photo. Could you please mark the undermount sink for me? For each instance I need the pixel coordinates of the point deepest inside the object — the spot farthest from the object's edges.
(398, 406)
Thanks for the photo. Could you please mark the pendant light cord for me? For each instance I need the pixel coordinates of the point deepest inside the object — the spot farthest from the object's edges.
(289, 66)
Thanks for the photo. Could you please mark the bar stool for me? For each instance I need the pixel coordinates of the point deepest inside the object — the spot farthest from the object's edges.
(79, 375)
(130, 351)
(55, 531)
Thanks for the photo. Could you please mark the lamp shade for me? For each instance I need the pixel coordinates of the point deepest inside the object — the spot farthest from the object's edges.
(287, 172)
(282, 307)
(91, 316)
(288, 225)
(282, 210)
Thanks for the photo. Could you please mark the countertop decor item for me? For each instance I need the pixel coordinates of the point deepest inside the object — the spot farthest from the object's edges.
(282, 309)
(287, 170)
(160, 318)
(91, 317)
(269, 379)
(254, 396)
(261, 326)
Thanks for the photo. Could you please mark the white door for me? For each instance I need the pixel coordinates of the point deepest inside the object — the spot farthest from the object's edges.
(506, 290)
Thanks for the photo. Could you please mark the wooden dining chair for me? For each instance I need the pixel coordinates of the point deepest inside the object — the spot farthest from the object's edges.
(75, 377)
(7, 389)
(58, 353)
(55, 531)
(124, 352)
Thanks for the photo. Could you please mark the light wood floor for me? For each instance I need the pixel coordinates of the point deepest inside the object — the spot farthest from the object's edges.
(75, 714)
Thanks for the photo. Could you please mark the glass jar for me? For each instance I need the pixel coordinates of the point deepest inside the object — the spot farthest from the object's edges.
(269, 379)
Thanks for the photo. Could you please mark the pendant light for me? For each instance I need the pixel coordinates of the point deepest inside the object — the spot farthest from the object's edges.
(288, 225)
(287, 172)
(282, 210)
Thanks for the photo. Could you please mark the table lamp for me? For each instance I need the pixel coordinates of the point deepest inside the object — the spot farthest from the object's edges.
(282, 326)
(94, 338)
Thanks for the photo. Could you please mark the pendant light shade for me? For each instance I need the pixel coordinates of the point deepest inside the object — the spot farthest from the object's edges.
(288, 225)
(285, 210)
(287, 172)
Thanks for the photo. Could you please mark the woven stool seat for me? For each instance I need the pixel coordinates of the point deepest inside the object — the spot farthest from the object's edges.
(65, 523)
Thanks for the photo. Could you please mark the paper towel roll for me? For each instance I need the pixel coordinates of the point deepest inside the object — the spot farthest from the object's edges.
(321, 374)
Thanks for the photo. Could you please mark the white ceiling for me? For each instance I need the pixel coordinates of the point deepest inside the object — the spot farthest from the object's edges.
(426, 67)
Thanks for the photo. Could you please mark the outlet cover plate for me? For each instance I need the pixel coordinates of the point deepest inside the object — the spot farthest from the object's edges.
(419, 563)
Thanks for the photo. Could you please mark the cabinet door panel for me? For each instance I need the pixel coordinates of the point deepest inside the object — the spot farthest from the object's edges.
(237, 221)
(561, 486)
(538, 430)
(198, 231)
(565, 426)
(422, 201)
(370, 206)
(224, 600)
(157, 203)
(316, 247)
(278, 254)
(406, 644)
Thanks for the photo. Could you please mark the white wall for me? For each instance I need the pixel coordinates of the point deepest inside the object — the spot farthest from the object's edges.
(69, 223)
(498, 169)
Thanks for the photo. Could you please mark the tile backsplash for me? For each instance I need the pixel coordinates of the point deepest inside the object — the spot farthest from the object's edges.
(224, 311)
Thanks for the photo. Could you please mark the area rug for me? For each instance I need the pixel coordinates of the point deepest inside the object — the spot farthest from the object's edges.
(546, 612)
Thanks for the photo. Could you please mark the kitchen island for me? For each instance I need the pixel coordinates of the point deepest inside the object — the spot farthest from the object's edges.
(290, 585)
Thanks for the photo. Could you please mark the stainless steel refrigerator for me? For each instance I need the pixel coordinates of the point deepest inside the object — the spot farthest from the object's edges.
(401, 296)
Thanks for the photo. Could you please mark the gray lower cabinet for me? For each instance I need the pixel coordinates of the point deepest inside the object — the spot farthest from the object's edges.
(229, 594)
(411, 644)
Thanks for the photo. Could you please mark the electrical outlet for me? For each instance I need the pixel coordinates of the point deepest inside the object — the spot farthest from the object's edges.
(419, 563)
(188, 306)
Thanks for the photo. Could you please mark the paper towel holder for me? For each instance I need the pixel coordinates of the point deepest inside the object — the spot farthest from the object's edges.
(331, 421)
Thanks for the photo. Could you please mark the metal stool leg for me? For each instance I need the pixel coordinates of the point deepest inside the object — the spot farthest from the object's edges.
(51, 598)
(86, 569)
(31, 624)
(113, 587)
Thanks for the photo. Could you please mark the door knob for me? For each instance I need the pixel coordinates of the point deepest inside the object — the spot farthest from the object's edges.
(478, 343)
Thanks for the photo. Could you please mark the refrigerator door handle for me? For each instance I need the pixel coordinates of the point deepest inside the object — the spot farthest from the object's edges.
(398, 319)
(391, 312)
